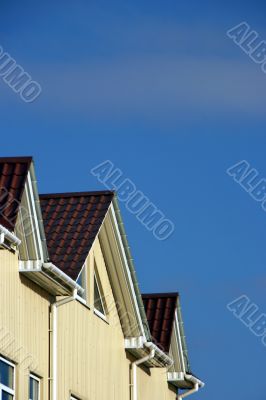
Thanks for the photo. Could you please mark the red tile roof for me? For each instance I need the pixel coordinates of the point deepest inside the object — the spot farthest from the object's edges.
(71, 223)
(13, 174)
(160, 310)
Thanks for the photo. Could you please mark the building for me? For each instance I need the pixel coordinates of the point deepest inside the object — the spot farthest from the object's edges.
(73, 324)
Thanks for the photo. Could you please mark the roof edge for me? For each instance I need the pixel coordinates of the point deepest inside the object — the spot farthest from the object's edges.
(159, 295)
(75, 194)
(23, 159)
(129, 257)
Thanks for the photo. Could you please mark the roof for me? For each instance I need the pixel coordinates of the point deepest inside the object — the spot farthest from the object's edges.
(71, 223)
(13, 174)
(160, 310)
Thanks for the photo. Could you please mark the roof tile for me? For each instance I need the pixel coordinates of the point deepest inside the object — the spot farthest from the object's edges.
(71, 223)
(13, 174)
(160, 310)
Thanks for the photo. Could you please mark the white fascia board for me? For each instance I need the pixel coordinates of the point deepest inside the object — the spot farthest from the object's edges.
(117, 275)
(176, 376)
(36, 221)
(135, 342)
(177, 336)
(127, 270)
(39, 272)
(184, 381)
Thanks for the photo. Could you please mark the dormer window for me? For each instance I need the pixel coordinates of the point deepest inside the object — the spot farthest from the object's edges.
(99, 303)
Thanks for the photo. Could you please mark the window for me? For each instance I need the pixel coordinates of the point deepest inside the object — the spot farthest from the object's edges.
(82, 281)
(7, 380)
(34, 388)
(98, 298)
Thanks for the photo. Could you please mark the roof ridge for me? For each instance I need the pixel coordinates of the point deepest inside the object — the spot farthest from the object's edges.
(22, 159)
(158, 295)
(76, 194)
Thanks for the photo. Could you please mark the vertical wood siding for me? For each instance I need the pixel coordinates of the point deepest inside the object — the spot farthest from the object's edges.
(93, 363)
(24, 325)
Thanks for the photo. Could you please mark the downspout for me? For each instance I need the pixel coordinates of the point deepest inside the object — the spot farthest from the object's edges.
(196, 385)
(54, 341)
(134, 369)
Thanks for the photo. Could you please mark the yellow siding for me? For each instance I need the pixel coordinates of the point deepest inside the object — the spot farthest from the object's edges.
(24, 325)
(93, 363)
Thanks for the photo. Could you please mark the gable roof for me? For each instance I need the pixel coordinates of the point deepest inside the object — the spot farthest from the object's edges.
(160, 310)
(13, 174)
(71, 223)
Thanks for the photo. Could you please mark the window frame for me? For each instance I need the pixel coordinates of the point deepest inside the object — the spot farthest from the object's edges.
(36, 378)
(7, 389)
(80, 298)
(96, 311)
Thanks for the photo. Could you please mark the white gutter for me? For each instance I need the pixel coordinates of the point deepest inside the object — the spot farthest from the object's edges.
(137, 343)
(134, 369)
(196, 382)
(64, 277)
(5, 233)
(54, 341)
(196, 385)
(168, 362)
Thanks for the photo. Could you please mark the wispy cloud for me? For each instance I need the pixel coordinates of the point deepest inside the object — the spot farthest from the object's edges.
(159, 86)
(154, 72)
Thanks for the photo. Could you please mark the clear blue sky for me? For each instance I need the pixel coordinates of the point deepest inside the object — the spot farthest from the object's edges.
(158, 88)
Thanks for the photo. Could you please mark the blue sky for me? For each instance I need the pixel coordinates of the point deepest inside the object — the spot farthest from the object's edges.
(161, 91)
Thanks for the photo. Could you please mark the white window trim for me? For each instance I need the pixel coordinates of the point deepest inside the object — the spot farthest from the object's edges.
(97, 312)
(79, 298)
(6, 388)
(39, 385)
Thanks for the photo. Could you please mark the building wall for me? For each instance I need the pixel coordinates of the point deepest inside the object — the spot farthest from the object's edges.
(24, 325)
(93, 363)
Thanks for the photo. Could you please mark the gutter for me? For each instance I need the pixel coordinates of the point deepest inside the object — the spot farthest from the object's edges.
(50, 267)
(131, 266)
(6, 234)
(183, 353)
(54, 308)
(140, 344)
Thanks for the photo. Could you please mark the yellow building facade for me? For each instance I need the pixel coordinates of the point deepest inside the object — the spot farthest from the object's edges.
(72, 321)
